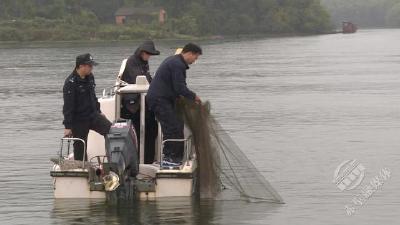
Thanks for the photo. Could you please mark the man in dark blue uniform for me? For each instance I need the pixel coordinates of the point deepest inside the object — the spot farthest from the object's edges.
(169, 84)
(81, 108)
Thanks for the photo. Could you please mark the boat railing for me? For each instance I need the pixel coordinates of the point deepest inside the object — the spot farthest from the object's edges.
(98, 159)
(61, 155)
(109, 92)
(187, 148)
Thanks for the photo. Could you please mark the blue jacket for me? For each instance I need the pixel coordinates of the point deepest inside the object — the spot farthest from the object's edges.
(80, 101)
(170, 81)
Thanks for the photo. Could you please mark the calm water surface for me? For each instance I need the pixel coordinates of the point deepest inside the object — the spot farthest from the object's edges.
(297, 106)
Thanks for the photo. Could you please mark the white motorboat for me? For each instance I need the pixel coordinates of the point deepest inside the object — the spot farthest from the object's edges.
(106, 171)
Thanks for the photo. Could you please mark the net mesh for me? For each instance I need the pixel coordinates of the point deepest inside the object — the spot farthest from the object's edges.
(224, 170)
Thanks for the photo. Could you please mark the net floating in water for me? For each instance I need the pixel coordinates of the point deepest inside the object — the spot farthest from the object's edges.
(224, 170)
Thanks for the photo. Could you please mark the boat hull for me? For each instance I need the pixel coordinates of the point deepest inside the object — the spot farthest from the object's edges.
(75, 187)
(166, 185)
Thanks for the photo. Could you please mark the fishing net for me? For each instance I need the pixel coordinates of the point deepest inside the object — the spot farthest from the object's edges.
(224, 170)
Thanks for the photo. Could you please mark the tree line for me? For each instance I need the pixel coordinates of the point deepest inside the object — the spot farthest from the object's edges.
(93, 19)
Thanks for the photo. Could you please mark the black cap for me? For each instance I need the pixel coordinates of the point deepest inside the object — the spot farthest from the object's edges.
(85, 59)
(149, 47)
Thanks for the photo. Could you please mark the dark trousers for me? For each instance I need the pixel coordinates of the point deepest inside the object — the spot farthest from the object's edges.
(98, 123)
(171, 126)
(151, 131)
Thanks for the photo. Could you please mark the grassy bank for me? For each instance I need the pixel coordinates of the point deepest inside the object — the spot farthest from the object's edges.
(40, 29)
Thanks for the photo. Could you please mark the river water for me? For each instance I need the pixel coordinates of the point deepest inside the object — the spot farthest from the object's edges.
(297, 106)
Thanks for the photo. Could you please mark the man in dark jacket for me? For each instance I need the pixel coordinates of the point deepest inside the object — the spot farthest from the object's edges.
(169, 84)
(81, 108)
(138, 65)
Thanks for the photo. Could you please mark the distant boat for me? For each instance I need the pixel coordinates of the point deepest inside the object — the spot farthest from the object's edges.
(348, 27)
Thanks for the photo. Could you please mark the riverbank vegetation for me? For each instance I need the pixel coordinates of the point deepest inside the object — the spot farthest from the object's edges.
(47, 20)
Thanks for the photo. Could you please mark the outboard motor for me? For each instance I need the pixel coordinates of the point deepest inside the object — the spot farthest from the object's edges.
(122, 150)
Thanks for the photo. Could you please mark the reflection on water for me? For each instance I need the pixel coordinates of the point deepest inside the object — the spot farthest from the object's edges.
(171, 211)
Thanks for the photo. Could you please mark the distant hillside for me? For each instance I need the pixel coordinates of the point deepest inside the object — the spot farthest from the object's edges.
(30, 20)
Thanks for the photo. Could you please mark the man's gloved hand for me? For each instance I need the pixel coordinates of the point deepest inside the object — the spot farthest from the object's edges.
(67, 133)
